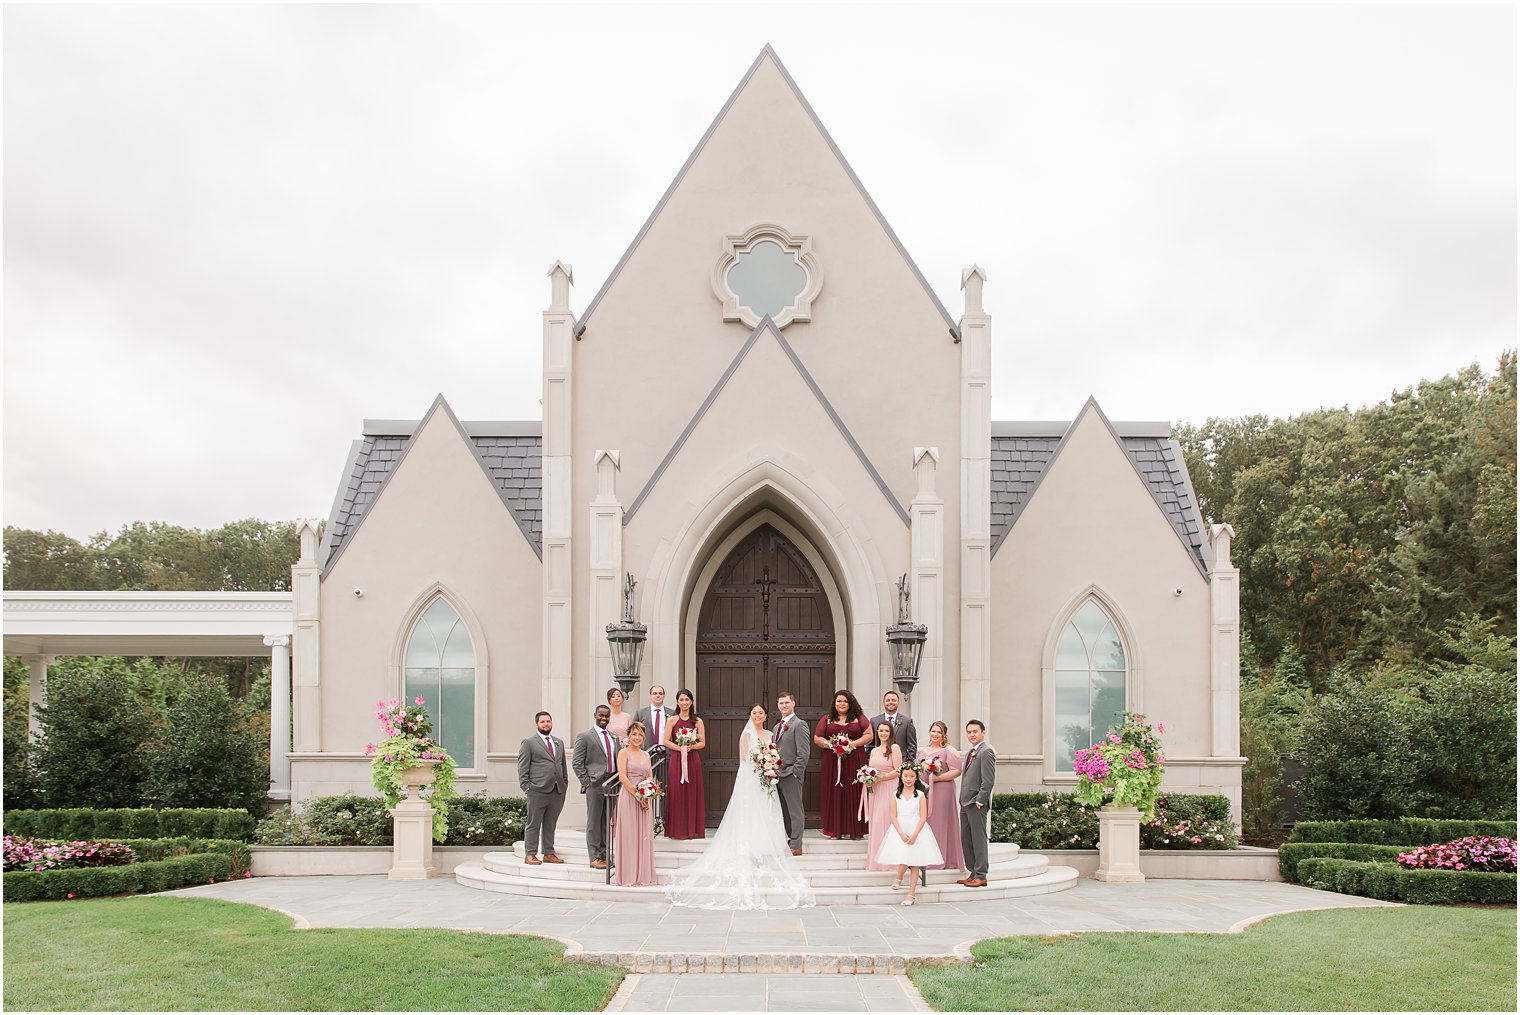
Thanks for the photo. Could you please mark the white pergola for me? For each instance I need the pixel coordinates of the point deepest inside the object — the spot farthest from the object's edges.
(40, 626)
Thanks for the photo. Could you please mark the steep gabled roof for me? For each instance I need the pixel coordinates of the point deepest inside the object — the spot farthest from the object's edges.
(767, 53)
(511, 454)
(1021, 460)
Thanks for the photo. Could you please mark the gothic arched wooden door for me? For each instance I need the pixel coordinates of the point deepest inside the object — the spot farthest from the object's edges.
(765, 626)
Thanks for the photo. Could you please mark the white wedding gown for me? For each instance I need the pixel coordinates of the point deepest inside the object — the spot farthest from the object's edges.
(747, 863)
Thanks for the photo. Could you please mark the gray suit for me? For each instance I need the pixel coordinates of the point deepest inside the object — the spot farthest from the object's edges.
(904, 731)
(657, 750)
(975, 799)
(795, 745)
(592, 765)
(543, 778)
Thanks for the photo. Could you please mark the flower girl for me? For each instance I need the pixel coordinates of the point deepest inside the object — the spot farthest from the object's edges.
(910, 842)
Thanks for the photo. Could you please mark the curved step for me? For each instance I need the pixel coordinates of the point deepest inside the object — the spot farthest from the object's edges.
(1052, 879)
(854, 858)
(819, 876)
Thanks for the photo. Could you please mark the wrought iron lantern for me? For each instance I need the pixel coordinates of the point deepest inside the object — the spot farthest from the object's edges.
(626, 637)
(906, 640)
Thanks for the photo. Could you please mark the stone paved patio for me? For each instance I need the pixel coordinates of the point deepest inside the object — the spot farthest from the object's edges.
(769, 956)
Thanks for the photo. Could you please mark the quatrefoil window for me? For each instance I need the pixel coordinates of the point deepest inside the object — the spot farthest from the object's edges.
(767, 272)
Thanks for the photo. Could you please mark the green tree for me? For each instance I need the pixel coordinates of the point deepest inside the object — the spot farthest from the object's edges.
(1463, 732)
(208, 754)
(1355, 748)
(97, 737)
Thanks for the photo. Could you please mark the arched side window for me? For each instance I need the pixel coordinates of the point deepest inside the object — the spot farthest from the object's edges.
(440, 668)
(1091, 678)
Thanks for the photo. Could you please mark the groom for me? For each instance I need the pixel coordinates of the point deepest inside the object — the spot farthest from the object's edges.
(794, 741)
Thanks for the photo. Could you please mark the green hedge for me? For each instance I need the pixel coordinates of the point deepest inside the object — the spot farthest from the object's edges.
(355, 820)
(163, 864)
(1060, 821)
(1290, 853)
(1407, 832)
(1392, 882)
(131, 822)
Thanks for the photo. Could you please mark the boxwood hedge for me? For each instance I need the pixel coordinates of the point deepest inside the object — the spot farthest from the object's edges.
(162, 864)
(1407, 832)
(132, 822)
(1381, 880)
(1290, 853)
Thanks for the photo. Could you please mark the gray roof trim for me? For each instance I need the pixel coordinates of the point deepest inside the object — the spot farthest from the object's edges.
(1056, 427)
(330, 530)
(766, 324)
(1194, 554)
(473, 427)
(580, 324)
(411, 440)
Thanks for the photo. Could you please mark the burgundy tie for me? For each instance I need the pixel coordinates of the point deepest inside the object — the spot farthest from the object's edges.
(551, 746)
(607, 746)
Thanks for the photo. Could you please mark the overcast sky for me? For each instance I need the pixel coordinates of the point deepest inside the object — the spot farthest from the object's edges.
(233, 233)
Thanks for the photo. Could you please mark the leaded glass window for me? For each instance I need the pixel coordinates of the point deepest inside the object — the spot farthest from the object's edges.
(440, 667)
(1091, 682)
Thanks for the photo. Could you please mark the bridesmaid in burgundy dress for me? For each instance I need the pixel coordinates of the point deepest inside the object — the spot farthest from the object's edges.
(685, 804)
(633, 835)
(944, 807)
(839, 797)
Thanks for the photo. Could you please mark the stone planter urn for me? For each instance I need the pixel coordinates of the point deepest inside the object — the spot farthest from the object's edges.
(1119, 844)
(412, 853)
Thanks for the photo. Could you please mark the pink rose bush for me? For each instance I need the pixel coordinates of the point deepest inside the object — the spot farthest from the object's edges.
(1124, 768)
(1473, 853)
(22, 854)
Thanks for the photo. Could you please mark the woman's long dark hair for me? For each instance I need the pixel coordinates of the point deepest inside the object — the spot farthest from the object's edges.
(693, 698)
(856, 712)
(918, 783)
(886, 745)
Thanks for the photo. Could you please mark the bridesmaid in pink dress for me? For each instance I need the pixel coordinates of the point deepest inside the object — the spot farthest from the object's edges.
(944, 805)
(887, 759)
(618, 724)
(633, 835)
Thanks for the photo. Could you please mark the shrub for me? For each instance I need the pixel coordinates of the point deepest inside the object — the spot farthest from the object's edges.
(1389, 881)
(1356, 754)
(351, 820)
(1054, 821)
(134, 822)
(208, 756)
(96, 742)
(1061, 821)
(40, 854)
(1464, 735)
(1290, 853)
(364, 821)
(486, 821)
(1404, 832)
(1473, 853)
(162, 864)
(1189, 821)
(290, 827)
(20, 785)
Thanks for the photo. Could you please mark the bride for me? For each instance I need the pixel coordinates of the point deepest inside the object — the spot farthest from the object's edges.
(747, 864)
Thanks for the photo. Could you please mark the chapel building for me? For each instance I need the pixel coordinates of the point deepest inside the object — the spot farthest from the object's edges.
(767, 417)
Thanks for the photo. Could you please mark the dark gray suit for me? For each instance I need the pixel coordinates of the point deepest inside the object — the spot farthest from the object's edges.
(795, 745)
(543, 778)
(905, 732)
(976, 798)
(591, 765)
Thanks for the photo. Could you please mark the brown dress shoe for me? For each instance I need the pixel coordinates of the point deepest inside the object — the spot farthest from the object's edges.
(600, 865)
(965, 881)
(551, 858)
(531, 859)
(977, 883)
(796, 852)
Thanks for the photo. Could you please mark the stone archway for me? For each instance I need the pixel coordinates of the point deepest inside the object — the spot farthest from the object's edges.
(765, 625)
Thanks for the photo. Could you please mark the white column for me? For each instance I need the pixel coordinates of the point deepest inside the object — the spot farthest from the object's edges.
(37, 667)
(558, 631)
(1224, 656)
(927, 584)
(976, 509)
(606, 568)
(305, 647)
(279, 716)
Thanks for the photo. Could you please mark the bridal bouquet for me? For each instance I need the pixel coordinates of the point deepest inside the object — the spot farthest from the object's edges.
(840, 744)
(767, 761)
(647, 789)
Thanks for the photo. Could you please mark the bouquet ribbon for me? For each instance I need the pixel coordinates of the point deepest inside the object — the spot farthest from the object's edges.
(683, 766)
(864, 792)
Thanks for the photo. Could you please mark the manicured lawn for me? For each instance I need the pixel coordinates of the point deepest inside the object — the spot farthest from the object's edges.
(143, 954)
(1415, 958)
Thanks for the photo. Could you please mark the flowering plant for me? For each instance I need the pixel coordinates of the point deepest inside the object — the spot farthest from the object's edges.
(647, 789)
(1473, 853)
(867, 776)
(767, 761)
(840, 744)
(409, 743)
(687, 736)
(1124, 768)
(23, 854)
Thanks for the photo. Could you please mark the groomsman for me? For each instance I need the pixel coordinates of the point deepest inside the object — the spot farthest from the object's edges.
(656, 717)
(594, 760)
(902, 726)
(794, 740)
(977, 776)
(541, 772)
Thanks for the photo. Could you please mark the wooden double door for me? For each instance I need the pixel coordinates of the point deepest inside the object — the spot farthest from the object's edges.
(765, 626)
